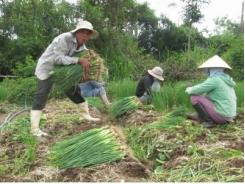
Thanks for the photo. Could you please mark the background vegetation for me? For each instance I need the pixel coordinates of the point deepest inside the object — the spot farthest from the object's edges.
(132, 39)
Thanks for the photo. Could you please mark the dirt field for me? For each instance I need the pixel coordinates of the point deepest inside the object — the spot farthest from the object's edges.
(62, 120)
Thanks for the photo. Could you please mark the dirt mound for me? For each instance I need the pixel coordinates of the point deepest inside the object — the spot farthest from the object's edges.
(126, 170)
(176, 162)
(2, 117)
(238, 145)
(235, 162)
(139, 117)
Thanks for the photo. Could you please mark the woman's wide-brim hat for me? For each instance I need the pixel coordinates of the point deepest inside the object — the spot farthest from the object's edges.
(157, 72)
(83, 24)
(215, 62)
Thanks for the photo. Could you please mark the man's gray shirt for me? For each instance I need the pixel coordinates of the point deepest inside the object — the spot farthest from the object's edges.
(59, 52)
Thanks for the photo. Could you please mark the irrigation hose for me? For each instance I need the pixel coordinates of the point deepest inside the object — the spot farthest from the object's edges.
(11, 116)
(14, 114)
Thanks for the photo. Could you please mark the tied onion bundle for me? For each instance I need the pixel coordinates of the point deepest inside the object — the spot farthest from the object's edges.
(71, 75)
(124, 105)
(171, 120)
(98, 71)
(93, 147)
(65, 77)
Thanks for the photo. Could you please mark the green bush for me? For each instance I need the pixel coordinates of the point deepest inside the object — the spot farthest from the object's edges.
(239, 89)
(25, 69)
(235, 56)
(231, 48)
(21, 91)
(124, 58)
(178, 67)
(18, 132)
(3, 93)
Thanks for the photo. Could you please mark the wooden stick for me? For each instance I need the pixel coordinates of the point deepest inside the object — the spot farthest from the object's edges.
(8, 76)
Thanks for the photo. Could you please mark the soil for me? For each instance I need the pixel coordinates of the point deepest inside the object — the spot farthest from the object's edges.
(128, 169)
(2, 117)
(235, 162)
(139, 117)
(176, 162)
(238, 145)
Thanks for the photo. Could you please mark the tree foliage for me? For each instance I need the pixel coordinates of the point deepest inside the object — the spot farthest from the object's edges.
(132, 39)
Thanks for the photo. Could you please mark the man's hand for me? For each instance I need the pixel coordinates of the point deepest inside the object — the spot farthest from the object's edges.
(85, 65)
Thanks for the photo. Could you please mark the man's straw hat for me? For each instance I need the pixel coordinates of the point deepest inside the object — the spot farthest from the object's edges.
(83, 24)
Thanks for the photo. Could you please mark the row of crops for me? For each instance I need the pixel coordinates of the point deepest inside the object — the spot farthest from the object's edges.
(170, 95)
(174, 145)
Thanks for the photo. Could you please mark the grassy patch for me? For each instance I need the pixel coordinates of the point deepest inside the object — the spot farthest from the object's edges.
(239, 89)
(3, 93)
(19, 157)
(187, 152)
(211, 166)
(145, 141)
(173, 95)
(95, 102)
(170, 96)
(142, 142)
(122, 88)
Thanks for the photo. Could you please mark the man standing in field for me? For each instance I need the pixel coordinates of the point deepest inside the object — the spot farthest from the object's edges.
(60, 52)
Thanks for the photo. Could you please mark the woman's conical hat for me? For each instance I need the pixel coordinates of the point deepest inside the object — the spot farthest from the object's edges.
(215, 62)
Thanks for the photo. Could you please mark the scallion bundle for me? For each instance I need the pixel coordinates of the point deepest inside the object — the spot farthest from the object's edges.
(166, 123)
(93, 147)
(98, 71)
(124, 105)
(171, 120)
(67, 76)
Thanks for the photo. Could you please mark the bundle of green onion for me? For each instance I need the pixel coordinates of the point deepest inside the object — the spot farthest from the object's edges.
(166, 123)
(124, 105)
(70, 75)
(171, 120)
(178, 111)
(98, 71)
(93, 147)
(65, 77)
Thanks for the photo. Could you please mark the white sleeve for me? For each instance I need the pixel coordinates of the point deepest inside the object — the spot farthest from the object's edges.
(61, 50)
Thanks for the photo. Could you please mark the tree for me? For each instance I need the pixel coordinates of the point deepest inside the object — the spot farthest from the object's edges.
(118, 22)
(27, 26)
(229, 43)
(192, 14)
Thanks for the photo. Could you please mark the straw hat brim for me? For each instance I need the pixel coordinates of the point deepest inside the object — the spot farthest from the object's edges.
(156, 76)
(94, 35)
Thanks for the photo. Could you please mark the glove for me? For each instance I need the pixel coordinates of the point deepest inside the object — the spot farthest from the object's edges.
(188, 90)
